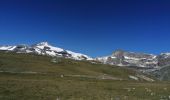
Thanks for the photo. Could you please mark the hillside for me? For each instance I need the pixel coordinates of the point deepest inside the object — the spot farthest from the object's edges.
(35, 77)
(162, 74)
(31, 63)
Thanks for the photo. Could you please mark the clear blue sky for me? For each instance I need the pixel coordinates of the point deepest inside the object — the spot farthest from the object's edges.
(93, 27)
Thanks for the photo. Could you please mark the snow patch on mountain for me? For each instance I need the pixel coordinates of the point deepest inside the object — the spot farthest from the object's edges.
(9, 48)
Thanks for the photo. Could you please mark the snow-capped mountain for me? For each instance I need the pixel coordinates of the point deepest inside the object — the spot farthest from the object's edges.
(44, 48)
(124, 58)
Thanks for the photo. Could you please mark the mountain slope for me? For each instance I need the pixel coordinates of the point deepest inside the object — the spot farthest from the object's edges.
(162, 74)
(31, 63)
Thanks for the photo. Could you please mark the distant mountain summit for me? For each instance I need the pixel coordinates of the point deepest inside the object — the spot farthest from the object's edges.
(44, 48)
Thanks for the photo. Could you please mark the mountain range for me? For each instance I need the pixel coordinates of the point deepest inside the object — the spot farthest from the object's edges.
(150, 63)
(118, 57)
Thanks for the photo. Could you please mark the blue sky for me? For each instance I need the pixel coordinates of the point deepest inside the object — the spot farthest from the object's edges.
(93, 27)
